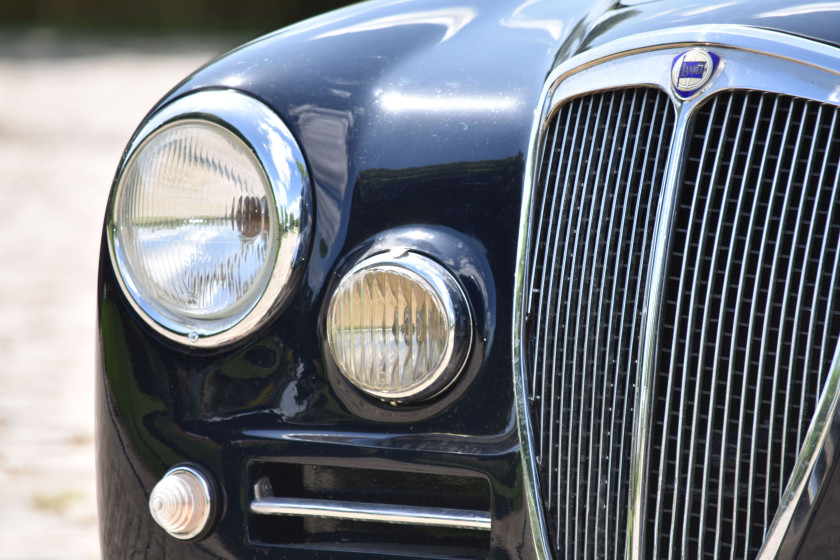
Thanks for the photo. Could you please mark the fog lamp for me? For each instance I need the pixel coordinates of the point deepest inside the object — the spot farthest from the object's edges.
(399, 327)
(182, 502)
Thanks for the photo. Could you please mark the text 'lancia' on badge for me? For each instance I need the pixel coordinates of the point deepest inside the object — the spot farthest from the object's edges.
(692, 70)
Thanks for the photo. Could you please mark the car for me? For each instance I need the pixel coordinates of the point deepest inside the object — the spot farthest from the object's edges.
(497, 280)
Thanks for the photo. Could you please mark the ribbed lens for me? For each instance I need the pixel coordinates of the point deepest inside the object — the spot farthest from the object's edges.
(392, 329)
(195, 227)
(182, 502)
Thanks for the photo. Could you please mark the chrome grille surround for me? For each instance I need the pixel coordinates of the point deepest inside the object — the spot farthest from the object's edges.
(751, 61)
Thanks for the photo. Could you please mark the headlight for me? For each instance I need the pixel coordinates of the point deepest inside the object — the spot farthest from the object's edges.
(208, 218)
(399, 327)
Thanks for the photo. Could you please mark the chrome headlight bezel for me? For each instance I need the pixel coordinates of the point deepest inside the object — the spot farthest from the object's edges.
(282, 163)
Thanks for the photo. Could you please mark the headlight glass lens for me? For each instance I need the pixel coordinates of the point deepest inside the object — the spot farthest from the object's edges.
(399, 329)
(210, 217)
(196, 226)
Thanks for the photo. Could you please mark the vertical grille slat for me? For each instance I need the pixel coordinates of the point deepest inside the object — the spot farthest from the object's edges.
(605, 438)
(595, 495)
(818, 204)
(754, 437)
(566, 400)
(832, 222)
(613, 247)
(806, 125)
(701, 392)
(585, 306)
(780, 340)
(723, 315)
(741, 304)
(645, 215)
(545, 378)
(594, 489)
(719, 236)
(738, 381)
(611, 439)
(587, 394)
(573, 458)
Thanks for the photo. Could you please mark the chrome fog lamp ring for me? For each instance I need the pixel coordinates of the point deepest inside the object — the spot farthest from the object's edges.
(209, 217)
(399, 327)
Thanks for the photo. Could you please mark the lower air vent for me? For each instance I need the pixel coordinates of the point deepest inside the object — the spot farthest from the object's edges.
(370, 510)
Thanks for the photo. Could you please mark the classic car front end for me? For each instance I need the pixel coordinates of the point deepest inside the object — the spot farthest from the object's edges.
(520, 280)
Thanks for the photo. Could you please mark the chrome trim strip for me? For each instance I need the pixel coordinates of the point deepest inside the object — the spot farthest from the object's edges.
(520, 390)
(381, 513)
(788, 54)
(790, 48)
(736, 319)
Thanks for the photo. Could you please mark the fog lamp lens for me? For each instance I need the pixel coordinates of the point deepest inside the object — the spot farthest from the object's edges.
(399, 328)
(182, 502)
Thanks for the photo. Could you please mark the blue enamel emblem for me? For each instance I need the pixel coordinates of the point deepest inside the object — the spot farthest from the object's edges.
(692, 70)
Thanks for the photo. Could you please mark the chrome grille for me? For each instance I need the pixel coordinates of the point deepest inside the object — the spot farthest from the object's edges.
(595, 203)
(679, 318)
(749, 321)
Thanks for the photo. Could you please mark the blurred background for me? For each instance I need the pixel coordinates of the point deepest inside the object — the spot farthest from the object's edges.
(76, 77)
(163, 15)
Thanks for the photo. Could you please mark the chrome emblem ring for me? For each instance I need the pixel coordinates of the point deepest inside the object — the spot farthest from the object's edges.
(692, 70)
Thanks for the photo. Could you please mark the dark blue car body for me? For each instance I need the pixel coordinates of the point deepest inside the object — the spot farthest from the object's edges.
(416, 120)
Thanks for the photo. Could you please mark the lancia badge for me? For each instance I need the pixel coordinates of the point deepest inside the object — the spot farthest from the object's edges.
(692, 70)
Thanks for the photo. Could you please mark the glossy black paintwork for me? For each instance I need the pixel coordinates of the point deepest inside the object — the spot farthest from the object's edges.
(414, 124)
(415, 120)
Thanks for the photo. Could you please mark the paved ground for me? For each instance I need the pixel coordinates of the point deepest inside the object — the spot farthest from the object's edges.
(67, 108)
